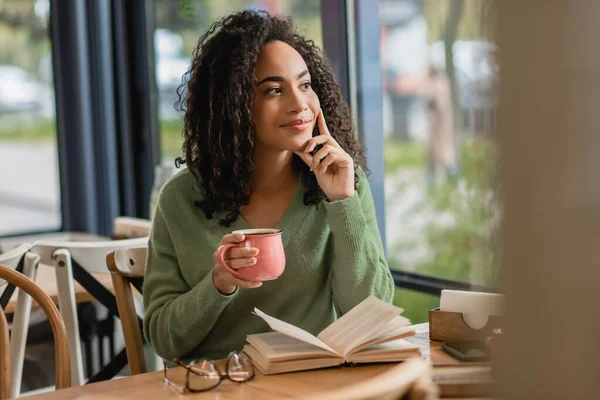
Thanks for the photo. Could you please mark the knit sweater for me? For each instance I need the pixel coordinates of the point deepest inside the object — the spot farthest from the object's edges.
(334, 260)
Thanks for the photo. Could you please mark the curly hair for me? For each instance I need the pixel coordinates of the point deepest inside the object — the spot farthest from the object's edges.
(216, 95)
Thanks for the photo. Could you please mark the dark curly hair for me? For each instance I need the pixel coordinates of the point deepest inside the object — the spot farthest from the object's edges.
(216, 95)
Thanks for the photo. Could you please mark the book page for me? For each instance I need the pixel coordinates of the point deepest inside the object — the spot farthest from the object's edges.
(399, 322)
(355, 327)
(293, 331)
(275, 347)
(396, 350)
(399, 333)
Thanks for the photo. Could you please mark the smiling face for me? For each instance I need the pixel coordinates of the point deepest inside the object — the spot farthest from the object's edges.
(285, 106)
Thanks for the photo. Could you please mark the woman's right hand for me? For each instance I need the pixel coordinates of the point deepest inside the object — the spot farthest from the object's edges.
(236, 258)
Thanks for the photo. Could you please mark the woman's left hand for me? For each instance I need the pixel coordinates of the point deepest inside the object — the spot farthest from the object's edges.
(333, 167)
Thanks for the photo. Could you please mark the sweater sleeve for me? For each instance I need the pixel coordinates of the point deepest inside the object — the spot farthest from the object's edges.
(178, 317)
(358, 265)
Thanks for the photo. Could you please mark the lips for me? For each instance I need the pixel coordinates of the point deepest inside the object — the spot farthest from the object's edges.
(297, 124)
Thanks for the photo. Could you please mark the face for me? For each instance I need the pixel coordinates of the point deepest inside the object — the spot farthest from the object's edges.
(285, 106)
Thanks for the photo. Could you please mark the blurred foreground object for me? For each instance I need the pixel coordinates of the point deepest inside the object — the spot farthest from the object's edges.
(549, 141)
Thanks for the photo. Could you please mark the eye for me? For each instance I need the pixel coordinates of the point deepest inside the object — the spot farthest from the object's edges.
(306, 85)
(275, 90)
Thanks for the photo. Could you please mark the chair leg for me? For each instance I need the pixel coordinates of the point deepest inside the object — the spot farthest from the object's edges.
(111, 338)
(105, 330)
(20, 327)
(101, 349)
(89, 358)
(88, 321)
(67, 305)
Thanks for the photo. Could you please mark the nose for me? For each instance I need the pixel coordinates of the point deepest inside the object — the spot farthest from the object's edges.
(297, 102)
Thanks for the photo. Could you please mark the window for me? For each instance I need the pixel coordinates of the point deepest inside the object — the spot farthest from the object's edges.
(439, 154)
(179, 24)
(29, 179)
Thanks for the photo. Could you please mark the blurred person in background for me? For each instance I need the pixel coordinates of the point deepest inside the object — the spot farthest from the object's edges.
(440, 146)
(404, 60)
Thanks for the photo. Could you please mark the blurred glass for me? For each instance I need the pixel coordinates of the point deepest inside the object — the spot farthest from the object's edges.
(179, 24)
(439, 121)
(416, 305)
(29, 180)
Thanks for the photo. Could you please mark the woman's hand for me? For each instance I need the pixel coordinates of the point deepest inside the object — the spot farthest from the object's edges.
(333, 167)
(236, 258)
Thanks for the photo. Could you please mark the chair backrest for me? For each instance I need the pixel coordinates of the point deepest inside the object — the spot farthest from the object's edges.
(129, 227)
(4, 357)
(11, 259)
(61, 348)
(90, 255)
(26, 263)
(123, 265)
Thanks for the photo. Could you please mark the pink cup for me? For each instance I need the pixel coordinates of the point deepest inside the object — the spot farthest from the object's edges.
(270, 261)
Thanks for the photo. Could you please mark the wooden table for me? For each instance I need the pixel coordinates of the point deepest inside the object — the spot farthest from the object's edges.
(46, 279)
(151, 386)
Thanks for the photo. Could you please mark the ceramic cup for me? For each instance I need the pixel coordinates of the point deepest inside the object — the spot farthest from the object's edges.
(270, 261)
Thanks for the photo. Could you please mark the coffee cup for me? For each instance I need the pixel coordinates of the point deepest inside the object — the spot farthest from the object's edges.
(270, 261)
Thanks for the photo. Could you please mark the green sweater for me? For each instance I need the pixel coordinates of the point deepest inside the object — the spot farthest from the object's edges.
(334, 260)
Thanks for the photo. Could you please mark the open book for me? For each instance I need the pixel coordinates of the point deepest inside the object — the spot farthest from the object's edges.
(373, 331)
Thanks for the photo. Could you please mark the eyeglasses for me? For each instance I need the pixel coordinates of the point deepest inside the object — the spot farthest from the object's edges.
(203, 374)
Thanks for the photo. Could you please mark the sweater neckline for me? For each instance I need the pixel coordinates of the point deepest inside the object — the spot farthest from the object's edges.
(288, 223)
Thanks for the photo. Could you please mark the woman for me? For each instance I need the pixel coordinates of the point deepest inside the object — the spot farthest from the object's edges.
(260, 155)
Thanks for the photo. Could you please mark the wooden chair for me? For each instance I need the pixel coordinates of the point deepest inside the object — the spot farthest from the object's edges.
(129, 227)
(21, 260)
(90, 256)
(61, 347)
(127, 266)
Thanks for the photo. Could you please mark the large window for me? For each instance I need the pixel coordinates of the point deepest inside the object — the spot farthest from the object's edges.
(440, 158)
(179, 24)
(29, 185)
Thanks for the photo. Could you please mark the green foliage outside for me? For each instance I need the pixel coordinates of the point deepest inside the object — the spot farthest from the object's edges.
(416, 305)
(403, 154)
(191, 18)
(466, 250)
(476, 21)
(41, 131)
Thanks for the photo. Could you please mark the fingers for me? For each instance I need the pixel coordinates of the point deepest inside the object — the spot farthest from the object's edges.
(319, 157)
(241, 257)
(232, 238)
(240, 252)
(226, 282)
(245, 284)
(237, 263)
(322, 125)
(235, 258)
(332, 158)
(325, 136)
(314, 142)
(306, 157)
(230, 280)
(327, 156)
